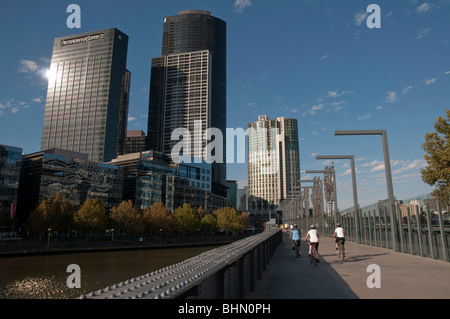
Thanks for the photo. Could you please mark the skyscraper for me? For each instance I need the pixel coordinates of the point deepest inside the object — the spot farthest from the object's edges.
(273, 159)
(188, 85)
(87, 96)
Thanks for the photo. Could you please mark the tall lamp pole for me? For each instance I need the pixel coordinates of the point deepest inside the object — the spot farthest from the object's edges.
(387, 165)
(355, 196)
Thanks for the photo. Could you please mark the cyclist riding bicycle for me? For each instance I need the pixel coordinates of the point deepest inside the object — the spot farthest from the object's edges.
(295, 237)
(339, 234)
(313, 237)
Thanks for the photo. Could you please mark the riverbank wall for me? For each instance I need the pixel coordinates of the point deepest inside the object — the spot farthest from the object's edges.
(43, 247)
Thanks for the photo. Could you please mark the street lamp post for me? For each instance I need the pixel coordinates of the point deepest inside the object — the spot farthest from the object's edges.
(355, 196)
(335, 209)
(387, 165)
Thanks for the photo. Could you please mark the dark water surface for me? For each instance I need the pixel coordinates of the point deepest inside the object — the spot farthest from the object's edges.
(45, 277)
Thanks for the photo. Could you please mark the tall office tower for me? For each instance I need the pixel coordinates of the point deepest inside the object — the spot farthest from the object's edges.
(273, 159)
(188, 85)
(87, 96)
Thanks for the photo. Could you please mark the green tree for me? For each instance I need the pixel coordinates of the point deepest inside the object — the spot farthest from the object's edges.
(157, 217)
(126, 217)
(437, 155)
(91, 217)
(208, 223)
(187, 219)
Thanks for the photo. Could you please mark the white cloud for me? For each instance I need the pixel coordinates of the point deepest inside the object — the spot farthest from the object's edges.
(424, 7)
(391, 97)
(28, 66)
(333, 93)
(379, 107)
(337, 93)
(447, 72)
(367, 116)
(430, 81)
(360, 17)
(37, 100)
(12, 106)
(241, 5)
(414, 165)
(424, 33)
(339, 103)
(324, 57)
(315, 108)
(131, 118)
(407, 89)
(32, 68)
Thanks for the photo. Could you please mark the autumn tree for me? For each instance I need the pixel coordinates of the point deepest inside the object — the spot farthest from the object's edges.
(91, 217)
(55, 213)
(437, 155)
(126, 217)
(229, 219)
(208, 223)
(158, 217)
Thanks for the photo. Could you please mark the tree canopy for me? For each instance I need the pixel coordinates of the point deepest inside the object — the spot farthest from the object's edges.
(437, 155)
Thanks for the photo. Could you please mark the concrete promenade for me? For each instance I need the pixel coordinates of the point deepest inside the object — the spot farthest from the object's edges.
(403, 276)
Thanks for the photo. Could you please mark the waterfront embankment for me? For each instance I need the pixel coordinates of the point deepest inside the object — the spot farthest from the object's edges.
(64, 246)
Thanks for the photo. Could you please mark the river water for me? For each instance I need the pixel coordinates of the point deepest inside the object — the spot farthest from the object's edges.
(45, 277)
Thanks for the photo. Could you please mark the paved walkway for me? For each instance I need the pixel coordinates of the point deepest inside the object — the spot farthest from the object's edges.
(403, 276)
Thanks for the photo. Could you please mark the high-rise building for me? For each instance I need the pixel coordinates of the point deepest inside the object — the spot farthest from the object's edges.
(10, 165)
(87, 96)
(135, 141)
(47, 173)
(273, 160)
(188, 86)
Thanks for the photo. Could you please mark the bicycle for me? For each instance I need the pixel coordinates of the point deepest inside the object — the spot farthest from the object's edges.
(341, 250)
(314, 256)
(296, 246)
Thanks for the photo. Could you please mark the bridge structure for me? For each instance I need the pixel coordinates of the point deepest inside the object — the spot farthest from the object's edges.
(226, 272)
(264, 266)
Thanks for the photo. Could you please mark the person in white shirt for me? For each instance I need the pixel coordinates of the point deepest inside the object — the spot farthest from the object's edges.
(313, 237)
(339, 234)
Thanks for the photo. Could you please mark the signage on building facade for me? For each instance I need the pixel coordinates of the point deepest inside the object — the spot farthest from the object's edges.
(82, 39)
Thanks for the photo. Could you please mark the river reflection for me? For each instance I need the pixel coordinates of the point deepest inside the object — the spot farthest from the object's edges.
(45, 277)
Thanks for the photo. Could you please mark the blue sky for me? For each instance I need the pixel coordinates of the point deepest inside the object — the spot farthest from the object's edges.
(313, 60)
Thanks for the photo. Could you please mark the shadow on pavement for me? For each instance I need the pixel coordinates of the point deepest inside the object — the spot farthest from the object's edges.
(289, 278)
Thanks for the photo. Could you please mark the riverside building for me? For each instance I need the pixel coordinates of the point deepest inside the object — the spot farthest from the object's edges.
(86, 108)
(273, 161)
(188, 86)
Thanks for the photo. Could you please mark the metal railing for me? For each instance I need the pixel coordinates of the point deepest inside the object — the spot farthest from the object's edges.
(226, 272)
(422, 230)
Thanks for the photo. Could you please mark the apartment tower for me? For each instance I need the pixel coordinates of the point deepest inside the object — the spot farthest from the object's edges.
(273, 160)
(188, 86)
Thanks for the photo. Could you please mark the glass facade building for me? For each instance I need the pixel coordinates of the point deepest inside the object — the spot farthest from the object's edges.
(10, 165)
(151, 177)
(44, 174)
(135, 141)
(87, 97)
(188, 84)
(273, 159)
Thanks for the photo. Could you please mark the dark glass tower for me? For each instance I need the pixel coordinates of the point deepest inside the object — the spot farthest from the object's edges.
(87, 97)
(188, 82)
